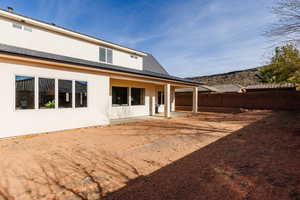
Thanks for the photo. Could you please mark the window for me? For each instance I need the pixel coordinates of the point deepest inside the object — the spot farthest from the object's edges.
(105, 55)
(102, 54)
(46, 93)
(119, 96)
(161, 98)
(64, 94)
(27, 28)
(81, 94)
(25, 92)
(109, 56)
(134, 56)
(137, 96)
(18, 26)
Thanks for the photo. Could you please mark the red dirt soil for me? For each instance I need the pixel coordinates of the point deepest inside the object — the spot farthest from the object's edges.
(249, 155)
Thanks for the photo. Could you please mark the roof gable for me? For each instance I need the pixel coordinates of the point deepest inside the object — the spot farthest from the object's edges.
(150, 64)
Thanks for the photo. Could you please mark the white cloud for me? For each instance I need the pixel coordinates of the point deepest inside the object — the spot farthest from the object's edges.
(219, 36)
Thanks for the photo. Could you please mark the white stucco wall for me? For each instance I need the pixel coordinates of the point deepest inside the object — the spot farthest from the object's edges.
(20, 122)
(46, 41)
(133, 110)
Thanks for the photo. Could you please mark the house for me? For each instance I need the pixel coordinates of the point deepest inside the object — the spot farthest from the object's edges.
(53, 78)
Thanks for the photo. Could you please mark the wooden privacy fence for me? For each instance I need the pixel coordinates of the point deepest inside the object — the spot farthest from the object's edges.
(275, 100)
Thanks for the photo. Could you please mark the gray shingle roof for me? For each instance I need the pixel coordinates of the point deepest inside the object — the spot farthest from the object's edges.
(8, 49)
(271, 86)
(228, 87)
(202, 88)
(150, 64)
(215, 88)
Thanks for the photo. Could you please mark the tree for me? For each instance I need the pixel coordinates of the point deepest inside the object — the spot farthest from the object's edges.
(288, 25)
(284, 66)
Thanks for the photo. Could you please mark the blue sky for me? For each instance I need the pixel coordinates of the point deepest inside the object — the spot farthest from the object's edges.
(188, 37)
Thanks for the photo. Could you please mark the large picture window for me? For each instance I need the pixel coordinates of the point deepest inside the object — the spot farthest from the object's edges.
(81, 94)
(46, 93)
(137, 96)
(25, 92)
(64, 94)
(119, 96)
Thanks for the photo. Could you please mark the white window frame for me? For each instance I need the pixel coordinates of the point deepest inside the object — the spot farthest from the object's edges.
(87, 96)
(112, 55)
(144, 98)
(73, 88)
(128, 97)
(15, 95)
(36, 93)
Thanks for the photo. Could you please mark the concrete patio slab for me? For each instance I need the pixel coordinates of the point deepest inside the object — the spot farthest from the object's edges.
(145, 118)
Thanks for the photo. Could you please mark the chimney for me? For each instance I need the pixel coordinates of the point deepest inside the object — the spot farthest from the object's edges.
(10, 9)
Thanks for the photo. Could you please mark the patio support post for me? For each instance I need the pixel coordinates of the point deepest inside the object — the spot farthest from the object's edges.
(167, 92)
(173, 99)
(152, 103)
(195, 100)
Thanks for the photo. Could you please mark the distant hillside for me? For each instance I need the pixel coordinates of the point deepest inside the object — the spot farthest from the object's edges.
(242, 77)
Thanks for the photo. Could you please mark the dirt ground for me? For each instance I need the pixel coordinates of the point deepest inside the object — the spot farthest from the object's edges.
(249, 155)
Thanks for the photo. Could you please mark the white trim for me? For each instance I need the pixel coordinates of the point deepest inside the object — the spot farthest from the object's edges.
(129, 96)
(36, 91)
(167, 105)
(73, 94)
(56, 94)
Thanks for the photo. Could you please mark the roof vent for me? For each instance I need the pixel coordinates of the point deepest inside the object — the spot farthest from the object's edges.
(10, 9)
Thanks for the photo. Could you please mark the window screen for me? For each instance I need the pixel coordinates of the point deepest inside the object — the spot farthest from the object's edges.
(119, 96)
(109, 56)
(102, 55)
(81, 94)
(64, 94)
(137, 96)
(25, 92)
(46, 93)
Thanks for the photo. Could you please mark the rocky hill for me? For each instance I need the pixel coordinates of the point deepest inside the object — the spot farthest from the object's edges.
(242, 77)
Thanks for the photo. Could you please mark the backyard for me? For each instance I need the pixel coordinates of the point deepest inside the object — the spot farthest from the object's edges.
(245, 155)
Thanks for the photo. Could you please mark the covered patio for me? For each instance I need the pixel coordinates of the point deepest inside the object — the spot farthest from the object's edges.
(138, 99)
